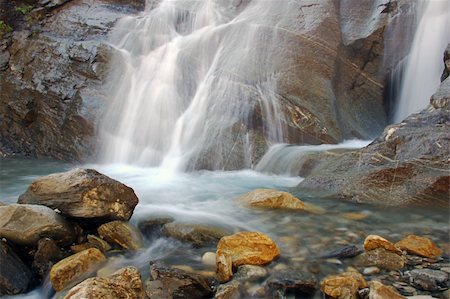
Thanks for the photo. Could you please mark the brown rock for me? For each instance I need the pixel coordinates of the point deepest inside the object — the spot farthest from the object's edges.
(98, 243)
(224, 267)
(121, 233)
(420, 246)
(355, 216)
(27, 224)
(244, 248)
(74, 267)
(380, 258)
(125, 283)
(343, 286)
(83, 193)
(81, 247)
(14, 274)
(272, 199)
(373, 242)
(196, 234)
(380, 291)
(47, 254)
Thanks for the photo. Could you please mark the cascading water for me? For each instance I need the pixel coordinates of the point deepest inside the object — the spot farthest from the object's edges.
(424, 64)
(189, 76)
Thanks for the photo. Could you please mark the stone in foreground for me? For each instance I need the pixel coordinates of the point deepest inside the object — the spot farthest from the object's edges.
(419, 246)
(373, 242)
(47, 254)
(381, 291)
(244, 248)
(125, 283)
(14, 275)
(121, 233)
(27, 224)
(74, 267)
(171, 283)
(429, 279)
(83, 193)
(292, 281)
(343, 286)
(380, 258)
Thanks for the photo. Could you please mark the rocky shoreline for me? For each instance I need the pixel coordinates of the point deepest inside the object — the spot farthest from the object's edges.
(48, 235)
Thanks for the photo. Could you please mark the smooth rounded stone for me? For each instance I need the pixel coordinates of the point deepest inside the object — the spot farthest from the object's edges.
(381, 291)
(74, 267)
(14, 274)
(121, 233)
(27, 224)
(371, 270)
(196, 234)
(429, 280)
(420, 246)
(229, 290)
(345, 252)
(244, 248)
(374, 241)
(380, 258)
(209, 259)
(169, 283)
(291, 281)
(153, 227)
(98, 243)
(125, 283)
(83, 193)
(343, 286)
(250, 273)
(47, 254)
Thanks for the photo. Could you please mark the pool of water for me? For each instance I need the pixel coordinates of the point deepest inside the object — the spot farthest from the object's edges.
(206, 197)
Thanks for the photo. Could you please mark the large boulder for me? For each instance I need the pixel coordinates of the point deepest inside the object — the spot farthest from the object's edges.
(83, 193)
(170, 283)
(14, 275)
(244, 248)
(27, 224)
(69, 270)
(52, 68)
(406, 165)
(125, 283)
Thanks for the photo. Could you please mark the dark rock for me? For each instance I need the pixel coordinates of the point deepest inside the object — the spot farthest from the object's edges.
(345, 252)
(409, 162)
(47, 254)
(170, 283)
(83, 193)
(121, 233)
(380, 258)
(446, 71)
(441, 99)
(14, 275)
(124, 283)
(196, 234)
(229, 290)
(27, 224)
(153, 227)
(429, 280)
(291, 281)
(364, 293)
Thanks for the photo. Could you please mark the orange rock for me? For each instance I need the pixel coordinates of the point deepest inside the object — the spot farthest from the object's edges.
(373, 242)
(244, 248)
(343, 286)
(380, 291)
(420, 246)
(74, 267)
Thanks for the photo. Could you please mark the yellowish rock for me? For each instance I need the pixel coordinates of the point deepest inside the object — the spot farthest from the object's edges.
(121, 233)
(343, 286)
(374, 241)
(74, 267)
(420, 246)
(381, 291)
(354, 216)
(244, 248)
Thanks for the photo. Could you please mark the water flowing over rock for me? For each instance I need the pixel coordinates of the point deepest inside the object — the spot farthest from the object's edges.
(121, 233)
(196, 234)
(27, 224)
(125, 283)
(83, 193)
(74, 267)
(195, 96)
(14, 275)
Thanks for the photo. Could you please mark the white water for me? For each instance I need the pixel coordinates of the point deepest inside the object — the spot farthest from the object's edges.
(424, 65)
(187, 77)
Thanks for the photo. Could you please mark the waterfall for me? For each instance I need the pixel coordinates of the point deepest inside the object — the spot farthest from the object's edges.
(424, 64)
(188, 78)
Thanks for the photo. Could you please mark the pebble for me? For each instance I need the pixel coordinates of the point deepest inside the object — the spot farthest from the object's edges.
(429, 280)
(404, 288)
(209, 259)
(334, 261)
(371, 270)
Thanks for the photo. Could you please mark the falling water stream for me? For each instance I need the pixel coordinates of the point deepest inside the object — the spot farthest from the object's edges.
(188, 76)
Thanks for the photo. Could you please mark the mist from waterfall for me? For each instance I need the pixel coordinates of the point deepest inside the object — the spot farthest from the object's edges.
(187, 78)
(424, 64)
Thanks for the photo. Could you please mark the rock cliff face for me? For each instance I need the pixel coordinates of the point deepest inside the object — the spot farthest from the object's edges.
(330, 81)
(52, 65)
